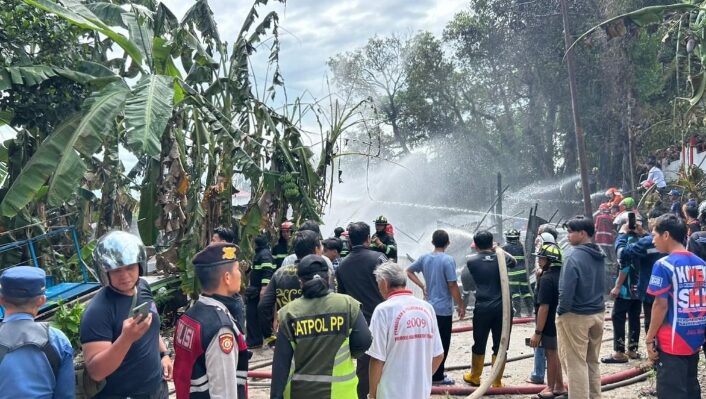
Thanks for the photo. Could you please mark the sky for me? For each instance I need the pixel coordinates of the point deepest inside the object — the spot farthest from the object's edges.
(312, 31)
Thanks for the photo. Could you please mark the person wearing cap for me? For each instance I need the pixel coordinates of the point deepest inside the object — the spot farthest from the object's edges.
(675, 208)
(382, 240)
(546, 301)
(36, 360)
(119, 346)
(211, 354)
(320, 333)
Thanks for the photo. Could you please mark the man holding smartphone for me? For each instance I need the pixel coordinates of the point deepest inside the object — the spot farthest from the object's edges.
(119, 346)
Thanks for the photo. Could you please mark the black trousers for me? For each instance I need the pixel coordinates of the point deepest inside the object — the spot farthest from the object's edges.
(647, 311)
(444, 323)
(485, 322)
(253, 335)
(630, 309)
(361, 370)
(677, 376)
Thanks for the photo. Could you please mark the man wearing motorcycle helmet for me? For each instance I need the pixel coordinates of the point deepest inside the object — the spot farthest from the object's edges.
(120, 345)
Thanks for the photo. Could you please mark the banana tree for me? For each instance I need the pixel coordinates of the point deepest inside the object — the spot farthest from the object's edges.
(180, 99)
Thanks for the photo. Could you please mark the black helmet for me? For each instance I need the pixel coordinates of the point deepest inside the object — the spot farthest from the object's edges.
(512, 234)
(550, 251)
(381, 220)
(115, 250)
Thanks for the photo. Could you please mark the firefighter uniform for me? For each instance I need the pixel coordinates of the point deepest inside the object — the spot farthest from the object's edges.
(317, 340)
(211, 356)
(388, 246)
(522, 300)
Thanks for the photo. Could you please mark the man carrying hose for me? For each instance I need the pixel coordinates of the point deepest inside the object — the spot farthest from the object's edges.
(519, 284)
(488, 313)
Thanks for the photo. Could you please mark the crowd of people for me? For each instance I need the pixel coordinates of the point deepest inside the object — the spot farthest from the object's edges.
(323, 303)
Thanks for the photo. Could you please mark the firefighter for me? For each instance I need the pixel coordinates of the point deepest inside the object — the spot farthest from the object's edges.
(263, 267)
(522, 300)
(383, 240)
(614, 196)
(320, 334)
(211, 354)
(281, 250)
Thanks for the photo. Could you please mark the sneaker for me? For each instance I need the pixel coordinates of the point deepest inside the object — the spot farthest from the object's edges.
(445, 381)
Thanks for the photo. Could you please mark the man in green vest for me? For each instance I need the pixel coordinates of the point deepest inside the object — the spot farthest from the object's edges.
(319, 335)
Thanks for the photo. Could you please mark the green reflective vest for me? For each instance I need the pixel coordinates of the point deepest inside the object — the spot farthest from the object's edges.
(318, 330)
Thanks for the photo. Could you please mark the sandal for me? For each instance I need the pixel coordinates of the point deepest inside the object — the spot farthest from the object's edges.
(561, 394)
(544, 395)
(611, 360)
(634, 355)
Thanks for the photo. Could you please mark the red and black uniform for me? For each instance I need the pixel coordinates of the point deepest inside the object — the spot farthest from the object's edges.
(211, 355)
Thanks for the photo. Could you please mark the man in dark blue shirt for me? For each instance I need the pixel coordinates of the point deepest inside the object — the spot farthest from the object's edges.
(24, 368)
(120, 346)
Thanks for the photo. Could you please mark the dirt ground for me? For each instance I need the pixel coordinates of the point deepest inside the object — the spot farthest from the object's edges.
(515, 372)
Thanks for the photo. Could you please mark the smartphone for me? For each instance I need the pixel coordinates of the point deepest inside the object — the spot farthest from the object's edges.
(140, 311)
(632, 224)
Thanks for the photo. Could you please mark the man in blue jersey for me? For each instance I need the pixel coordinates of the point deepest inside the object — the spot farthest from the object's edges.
(678, 322)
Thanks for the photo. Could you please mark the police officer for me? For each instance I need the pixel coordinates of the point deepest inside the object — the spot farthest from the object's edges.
(36, 360)
(519, 284)
(383, 241)
(121, 345)
(319, 335)
(211, 355)
(281, 250)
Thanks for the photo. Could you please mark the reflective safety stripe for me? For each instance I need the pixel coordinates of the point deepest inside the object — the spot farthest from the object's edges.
(322, 378)
(517, 273)
(519, 258)
(520, 283)
(342, 356)
(265, 281)
(521, 296)
(278, 256)
(200, 380)
(261, 266)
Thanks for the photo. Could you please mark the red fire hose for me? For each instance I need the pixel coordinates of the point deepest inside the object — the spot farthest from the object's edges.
(531, 389)
(517, 320)
(507, 390)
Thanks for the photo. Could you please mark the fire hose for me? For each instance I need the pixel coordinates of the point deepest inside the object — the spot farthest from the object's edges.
(609, 381)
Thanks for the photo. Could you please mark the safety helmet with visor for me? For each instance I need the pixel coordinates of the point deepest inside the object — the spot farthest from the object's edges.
(116, 250)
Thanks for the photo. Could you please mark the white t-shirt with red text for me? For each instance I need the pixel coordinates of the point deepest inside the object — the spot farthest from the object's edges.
(405, 337)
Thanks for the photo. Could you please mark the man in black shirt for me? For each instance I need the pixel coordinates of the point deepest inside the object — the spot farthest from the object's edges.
(547, 299)
(355, 277)
(488, 313)
(281, 249)
(263, 266)
(284, 285)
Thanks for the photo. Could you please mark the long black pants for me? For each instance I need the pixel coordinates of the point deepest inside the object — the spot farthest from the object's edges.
(444, 323)
(253, 337)
(622, 309)
(485, 321)
(362, 371)
(677, 376)
(647, 311)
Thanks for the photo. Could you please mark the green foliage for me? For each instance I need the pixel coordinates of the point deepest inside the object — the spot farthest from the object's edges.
(67, 318)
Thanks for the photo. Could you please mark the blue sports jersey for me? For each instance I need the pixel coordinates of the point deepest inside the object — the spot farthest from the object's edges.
(679, 278)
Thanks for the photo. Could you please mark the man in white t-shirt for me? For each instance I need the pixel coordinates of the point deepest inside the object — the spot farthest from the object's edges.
(406, 347)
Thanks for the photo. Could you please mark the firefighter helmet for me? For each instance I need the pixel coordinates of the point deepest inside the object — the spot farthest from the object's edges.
(381, 220)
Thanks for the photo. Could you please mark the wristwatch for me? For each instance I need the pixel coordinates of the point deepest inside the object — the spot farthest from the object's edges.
(537, 332)
(166, 353)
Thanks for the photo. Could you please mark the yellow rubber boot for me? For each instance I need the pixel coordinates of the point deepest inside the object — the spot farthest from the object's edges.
(473, 377)
(498, 382)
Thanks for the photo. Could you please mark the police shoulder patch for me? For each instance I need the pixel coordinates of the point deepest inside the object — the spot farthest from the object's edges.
(226, 342)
